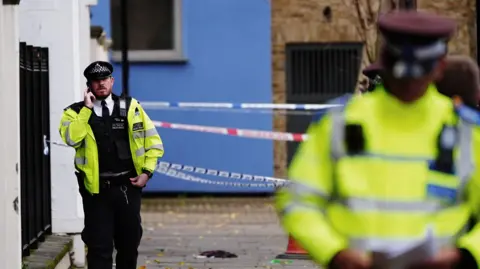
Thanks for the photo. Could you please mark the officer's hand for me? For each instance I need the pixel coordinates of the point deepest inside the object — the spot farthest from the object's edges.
(351, 259)
(140, 181)
(445, 259)
(88, 99)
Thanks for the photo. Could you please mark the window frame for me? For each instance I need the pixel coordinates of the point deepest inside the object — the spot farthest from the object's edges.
(174, 55)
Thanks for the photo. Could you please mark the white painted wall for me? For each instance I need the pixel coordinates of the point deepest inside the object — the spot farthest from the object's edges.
(55, 24)
(64, 27)
(99, 49)
(10, 224)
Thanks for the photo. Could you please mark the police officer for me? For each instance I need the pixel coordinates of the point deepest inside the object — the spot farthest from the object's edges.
(381, 171)
(117, 147)
(372, 72)
(461, 78)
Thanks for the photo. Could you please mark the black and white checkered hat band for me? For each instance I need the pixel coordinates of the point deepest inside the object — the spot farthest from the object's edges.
(98, 69)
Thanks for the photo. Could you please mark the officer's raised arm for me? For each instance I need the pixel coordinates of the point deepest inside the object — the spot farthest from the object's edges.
(73, 125)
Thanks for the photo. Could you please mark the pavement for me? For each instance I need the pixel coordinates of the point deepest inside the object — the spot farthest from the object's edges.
(178, 229)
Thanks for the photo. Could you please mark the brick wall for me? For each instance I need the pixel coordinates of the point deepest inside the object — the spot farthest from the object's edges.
(463, 11)
(303, 21)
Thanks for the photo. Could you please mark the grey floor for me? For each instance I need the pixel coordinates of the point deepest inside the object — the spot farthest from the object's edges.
(175, 230)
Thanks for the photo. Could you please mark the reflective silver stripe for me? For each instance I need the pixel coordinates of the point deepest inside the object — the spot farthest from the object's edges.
(139, 134)
(69, 141)
(369, 244)
(296, 206)
(145, 134)
(151, 132)
(140, 152)
(337, 149)
(378, 243)
(299, 189)
(80, 160)
(65, 123)
(464, 162)
(157, 146)
(368, 204)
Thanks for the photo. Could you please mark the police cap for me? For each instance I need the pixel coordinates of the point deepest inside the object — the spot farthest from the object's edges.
(414, 42)
(372, 70)
(98, 70)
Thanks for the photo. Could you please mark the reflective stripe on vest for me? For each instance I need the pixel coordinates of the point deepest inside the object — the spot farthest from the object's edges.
(358, 204)
(463, 161)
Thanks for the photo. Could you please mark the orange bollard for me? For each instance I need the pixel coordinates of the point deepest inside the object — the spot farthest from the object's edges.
(294, 251)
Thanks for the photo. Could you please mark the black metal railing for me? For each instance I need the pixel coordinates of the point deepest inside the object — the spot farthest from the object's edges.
(34, 131)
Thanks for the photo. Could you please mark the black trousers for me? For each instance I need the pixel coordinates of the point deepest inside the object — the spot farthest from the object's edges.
(112, 221)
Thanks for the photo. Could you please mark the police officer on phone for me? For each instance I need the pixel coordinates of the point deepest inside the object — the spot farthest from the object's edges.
(116, 151)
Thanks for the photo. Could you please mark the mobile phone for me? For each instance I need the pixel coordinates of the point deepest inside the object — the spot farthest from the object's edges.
(90, 90)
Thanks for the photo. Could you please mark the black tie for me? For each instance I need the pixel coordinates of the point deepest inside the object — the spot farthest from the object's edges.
(105, 111)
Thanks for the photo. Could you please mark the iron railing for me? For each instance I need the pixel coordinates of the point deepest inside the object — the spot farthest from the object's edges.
(34, 131)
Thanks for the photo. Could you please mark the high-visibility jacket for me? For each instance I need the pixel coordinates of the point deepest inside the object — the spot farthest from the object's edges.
(146, 146)
(372, 174)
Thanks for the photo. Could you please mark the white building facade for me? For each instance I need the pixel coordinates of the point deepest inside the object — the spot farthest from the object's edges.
(10, 226)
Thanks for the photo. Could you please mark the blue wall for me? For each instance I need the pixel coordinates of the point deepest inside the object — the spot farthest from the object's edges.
(227, 45)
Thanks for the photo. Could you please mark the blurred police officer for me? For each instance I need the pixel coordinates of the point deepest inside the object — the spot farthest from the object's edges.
(117, 147)
(381, 171)
(461, 78)
(372, 72)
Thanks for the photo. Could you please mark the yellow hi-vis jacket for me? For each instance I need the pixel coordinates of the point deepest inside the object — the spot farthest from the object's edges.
(145, 144)
(387, 194)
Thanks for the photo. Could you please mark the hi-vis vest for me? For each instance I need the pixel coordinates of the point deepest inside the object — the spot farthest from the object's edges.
(145, 144)
(377, 173)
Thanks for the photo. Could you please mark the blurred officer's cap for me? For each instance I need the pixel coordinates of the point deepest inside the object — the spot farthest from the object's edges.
(414, 42)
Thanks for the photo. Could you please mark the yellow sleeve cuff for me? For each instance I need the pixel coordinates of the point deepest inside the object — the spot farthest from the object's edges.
(315, 235)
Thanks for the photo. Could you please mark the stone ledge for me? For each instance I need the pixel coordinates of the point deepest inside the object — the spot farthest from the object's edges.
(49, 254)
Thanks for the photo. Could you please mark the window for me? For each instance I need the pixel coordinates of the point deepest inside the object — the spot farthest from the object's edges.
(317, 72)
(154, 30)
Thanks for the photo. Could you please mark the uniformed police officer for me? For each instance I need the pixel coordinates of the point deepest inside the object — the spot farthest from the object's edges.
(372, 72)
(117, 147)
(461, 78)
(391, 166)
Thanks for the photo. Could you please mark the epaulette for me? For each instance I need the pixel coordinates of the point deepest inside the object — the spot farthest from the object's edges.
(75, 107)
(341, 101)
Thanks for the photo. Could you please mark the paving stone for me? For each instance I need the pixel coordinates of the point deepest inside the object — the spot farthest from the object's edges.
(175, 230)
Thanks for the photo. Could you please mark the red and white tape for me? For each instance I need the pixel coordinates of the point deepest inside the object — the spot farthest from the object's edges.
(278, 136)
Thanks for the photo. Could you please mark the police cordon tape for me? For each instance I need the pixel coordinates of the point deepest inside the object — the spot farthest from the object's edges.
(152, 105)
(175, 170)
(213, 172)
(241, 111)
(187, 177)
(259, 134)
